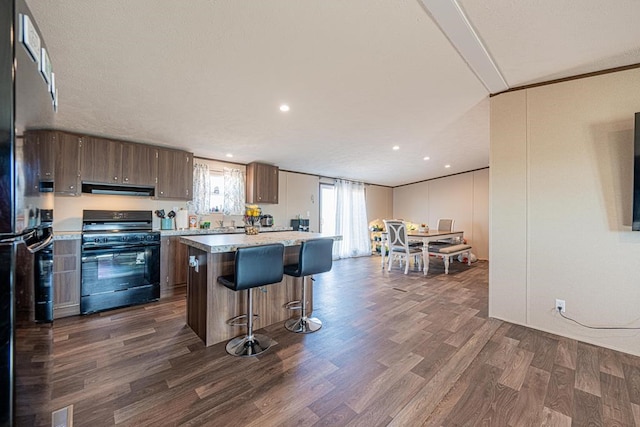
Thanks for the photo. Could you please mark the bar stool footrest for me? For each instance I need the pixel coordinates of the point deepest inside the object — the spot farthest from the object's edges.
(235, 321)
(293, 305)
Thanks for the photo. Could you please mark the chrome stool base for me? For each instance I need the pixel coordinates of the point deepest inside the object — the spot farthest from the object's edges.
(242, 346)
(303, 325)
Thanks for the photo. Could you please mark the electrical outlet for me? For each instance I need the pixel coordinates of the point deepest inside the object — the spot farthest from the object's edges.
(561, 305)
(62, 417)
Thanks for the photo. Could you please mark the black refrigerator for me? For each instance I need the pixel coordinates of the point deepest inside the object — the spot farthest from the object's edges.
(28, 100)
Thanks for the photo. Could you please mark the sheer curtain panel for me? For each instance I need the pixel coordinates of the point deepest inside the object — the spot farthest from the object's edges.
(201, 190)
(351, 221)
(234, 198)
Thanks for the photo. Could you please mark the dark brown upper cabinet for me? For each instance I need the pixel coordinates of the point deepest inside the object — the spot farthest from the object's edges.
(139, 164)
(101, 160)
(67, 162)
(262, 183)
(175, 174)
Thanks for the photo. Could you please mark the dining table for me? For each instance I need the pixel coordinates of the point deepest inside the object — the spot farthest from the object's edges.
(426, 237)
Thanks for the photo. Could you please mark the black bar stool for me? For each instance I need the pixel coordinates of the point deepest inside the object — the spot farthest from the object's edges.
(315, 257)
(255, 266)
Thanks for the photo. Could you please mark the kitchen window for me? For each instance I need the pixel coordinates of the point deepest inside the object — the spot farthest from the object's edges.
(216, 191)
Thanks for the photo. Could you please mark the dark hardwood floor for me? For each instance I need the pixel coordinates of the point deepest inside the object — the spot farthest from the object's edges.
(395, 349)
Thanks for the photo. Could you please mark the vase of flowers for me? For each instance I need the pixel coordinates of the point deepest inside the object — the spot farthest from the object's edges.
(252, 215)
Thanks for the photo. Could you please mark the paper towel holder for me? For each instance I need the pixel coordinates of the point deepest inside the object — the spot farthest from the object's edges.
(182, 219)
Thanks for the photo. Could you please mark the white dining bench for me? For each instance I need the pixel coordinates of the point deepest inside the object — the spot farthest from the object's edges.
(447, 251)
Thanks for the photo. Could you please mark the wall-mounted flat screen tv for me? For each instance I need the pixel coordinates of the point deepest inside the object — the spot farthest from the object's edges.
(636, 175)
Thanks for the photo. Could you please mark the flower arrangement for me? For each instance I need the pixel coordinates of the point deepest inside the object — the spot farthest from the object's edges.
(252, 215)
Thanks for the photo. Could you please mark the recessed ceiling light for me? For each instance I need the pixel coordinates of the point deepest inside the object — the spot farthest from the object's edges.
(426, 158)
(284, 108)
(229, 155)
(396, 147)
(447, 166)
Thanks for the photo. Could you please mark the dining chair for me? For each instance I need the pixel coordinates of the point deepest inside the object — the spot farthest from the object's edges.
(444, 224)
(399, 245)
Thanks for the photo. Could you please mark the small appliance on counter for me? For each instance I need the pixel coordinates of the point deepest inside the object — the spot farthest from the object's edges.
(300, 224)
(266, 221)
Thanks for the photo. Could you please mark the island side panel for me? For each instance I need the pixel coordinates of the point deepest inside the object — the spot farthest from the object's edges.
(224, 303)
(197, 294)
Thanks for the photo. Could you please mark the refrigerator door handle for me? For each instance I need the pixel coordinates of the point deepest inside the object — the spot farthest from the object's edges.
(35, 247)
(19, 238)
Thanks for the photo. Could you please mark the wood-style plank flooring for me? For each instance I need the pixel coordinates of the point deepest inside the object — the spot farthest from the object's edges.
(394, 350)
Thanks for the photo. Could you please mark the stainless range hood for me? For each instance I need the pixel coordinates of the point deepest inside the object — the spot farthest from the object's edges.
(116, 189)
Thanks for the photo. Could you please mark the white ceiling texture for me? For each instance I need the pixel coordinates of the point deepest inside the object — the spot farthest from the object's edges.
(360, 76)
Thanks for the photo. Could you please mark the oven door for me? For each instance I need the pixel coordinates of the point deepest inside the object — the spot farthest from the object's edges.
(118, 269)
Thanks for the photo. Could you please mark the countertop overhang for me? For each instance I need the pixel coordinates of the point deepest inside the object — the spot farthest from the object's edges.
(231, 242)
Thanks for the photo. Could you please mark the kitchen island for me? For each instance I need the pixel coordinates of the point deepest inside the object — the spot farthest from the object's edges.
(210, 305)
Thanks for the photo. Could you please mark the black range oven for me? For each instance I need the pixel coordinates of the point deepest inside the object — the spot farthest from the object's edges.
(120, 260)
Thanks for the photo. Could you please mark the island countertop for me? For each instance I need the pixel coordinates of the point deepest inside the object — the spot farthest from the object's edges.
(231, 242)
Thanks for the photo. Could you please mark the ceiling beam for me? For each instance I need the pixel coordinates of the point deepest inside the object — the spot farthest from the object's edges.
(450, 17)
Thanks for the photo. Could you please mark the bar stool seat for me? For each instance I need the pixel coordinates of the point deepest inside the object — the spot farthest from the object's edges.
(255, 266)
(315, 257)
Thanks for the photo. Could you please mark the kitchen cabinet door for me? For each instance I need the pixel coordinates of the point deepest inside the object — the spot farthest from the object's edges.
(173, 265)
(262, 183)
(67, 163)
(44, 143)
(47, 153)
(139, 164)
(101, 160)
(66, 278)
(175, 175)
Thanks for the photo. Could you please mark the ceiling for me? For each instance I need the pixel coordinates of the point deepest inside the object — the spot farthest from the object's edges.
(360, 76)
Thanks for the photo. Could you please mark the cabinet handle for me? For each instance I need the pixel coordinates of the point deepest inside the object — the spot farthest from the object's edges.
(162, 192)
(126, 180)
(115, 178)
(71, 187)
(47, 173)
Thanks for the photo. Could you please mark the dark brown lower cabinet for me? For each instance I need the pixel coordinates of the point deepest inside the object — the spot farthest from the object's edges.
(173, 265)
(66, 278)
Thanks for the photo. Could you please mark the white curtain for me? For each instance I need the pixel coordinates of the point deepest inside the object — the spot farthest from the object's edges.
(201, 189)
(234, 198)
(351, 221)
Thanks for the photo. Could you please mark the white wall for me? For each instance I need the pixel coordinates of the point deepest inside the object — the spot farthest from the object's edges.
(561, 191)
(463, 197)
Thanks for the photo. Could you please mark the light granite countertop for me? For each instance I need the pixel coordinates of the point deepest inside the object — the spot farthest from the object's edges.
(219, 230)
(76, 235)
(231, 242)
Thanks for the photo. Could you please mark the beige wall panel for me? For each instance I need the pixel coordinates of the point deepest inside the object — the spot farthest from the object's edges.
(479, 233)
(508, 208)
(379, 202)
(452, 197)
(581, 247)
(411, 202)
(302, 198)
